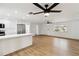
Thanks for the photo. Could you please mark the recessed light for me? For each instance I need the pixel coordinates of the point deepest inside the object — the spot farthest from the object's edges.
(15, 11)
(27, 15)
(8, 14)
(23, 17)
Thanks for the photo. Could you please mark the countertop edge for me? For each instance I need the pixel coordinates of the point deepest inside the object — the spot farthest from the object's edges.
(15, 35)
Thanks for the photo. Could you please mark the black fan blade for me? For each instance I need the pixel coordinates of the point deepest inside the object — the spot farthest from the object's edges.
(55, 11)
(37, 13)
(36, 4)
(54, 5)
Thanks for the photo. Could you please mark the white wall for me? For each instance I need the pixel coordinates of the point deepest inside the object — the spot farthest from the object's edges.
(34, 29)
(73, 29)
(10, 26)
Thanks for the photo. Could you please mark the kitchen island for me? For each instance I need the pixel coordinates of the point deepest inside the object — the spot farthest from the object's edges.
(11, 43)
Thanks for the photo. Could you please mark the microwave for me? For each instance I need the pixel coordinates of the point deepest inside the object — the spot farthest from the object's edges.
(2, 25)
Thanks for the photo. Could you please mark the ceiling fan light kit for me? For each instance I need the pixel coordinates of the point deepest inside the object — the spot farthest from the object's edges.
(46, 14)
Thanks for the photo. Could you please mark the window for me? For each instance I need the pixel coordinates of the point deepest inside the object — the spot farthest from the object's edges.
(60, 28)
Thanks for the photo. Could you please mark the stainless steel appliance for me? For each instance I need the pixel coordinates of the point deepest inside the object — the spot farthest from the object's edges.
(2, 29)
(21, 28)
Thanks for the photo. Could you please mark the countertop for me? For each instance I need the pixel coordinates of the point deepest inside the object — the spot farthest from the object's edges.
(15, 35)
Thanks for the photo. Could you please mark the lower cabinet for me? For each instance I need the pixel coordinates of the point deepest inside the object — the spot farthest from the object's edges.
(13, 44)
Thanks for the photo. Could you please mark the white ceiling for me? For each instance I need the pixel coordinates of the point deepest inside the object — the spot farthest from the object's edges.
(20, 11)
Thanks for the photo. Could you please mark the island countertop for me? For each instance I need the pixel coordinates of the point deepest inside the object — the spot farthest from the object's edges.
(15, 35)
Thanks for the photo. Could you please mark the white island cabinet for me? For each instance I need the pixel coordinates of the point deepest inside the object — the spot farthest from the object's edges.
(11, 43)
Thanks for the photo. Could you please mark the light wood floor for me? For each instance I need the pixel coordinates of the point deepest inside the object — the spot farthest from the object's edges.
(50, 46)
